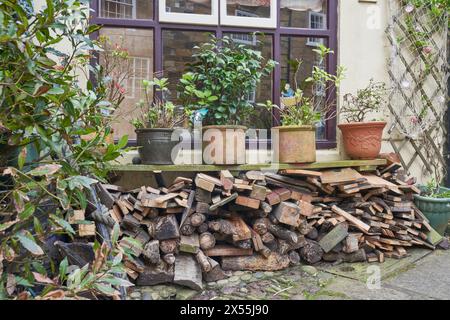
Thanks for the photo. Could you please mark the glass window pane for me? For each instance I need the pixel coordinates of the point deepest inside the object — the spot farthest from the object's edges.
(311, 14)
(249, 8)
(126, 9)
(262, 119)
(294, 49)
(128, 74)
(177, 51)
(189, 6)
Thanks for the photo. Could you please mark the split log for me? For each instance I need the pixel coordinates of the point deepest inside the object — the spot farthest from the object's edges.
(311, 252)
(166, 227)
(273, 262)
(357, 256)
(294, 258)
(169, 258)
(197, 219)
(216, 272)
(190, 243)
(282, 233)
(187, 229)
(287, 213)
(188, 272)
(151, 252)
(260, 226)
(202, 228)
(226, 250)
(156, 274)
(335, 236)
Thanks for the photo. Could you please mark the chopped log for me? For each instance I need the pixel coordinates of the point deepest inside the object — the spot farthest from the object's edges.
(255, 175)
(168, 246)
(87, 230)
(247, 202)
(222, 202)
(169, 258)
(202, 207)
(260, 226)
(283, 193)
(204, 184)
(166, 227)
(283, 247)
(203, 196)
(197, 219)
(116, 214)
(202, 228)
(241, 230)
(227, 179)
(335, 236)
(190, 243)
(151, 252)
(274, 262)
(306, 208)
(207, 241)
(226, 250)
(273, 198)
(156, 274)
(340, 176)
(287, 213)
(301, 173)
(222, 226)
(356, 222)
(105, 197)
(282, 233)
(216, 272)
(351, 243)
(267, 237)
(203, 261)
(311, 252)
(357, 256)
(258, 192)
(187, 229)
(188, 272)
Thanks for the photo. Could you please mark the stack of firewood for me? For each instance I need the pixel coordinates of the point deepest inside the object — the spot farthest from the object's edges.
(198, 228)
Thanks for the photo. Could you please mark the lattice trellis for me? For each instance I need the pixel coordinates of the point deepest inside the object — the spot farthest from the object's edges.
(418, 73)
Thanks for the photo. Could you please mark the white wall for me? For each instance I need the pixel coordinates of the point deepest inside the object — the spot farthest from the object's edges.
(364, 50)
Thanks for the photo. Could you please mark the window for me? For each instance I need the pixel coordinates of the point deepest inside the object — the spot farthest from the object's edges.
(126, 9)
(163, 41)
(257, 13)
(189, 11)
(316, 21)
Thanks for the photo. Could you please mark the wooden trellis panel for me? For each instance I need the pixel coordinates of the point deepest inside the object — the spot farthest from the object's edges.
(418, 73)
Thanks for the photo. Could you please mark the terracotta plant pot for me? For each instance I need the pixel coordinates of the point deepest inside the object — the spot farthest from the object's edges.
(362, 140)
(296, 144)
(224, 145)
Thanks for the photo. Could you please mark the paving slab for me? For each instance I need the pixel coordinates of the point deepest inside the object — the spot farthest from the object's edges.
(391, 267)
(430, 277)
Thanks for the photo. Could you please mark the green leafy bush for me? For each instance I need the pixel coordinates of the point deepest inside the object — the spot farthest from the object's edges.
(223, 74)
(42, 105)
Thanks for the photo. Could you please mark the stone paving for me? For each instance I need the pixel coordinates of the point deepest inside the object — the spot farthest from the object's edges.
(423, 275)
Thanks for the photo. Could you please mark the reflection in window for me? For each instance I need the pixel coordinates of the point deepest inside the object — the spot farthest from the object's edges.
(139, 66)
(292, 50)
(262, 119)
(189, 6)
(297, 13)
(126, 9)
(249, 8)
(177, 52)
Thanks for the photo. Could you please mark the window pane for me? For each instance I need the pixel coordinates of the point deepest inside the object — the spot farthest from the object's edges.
(126, 9)
(311, 14)
(128, 74)
(177, 51)
(189, 6)
(249, 8)
(298, 48)
(262, 119)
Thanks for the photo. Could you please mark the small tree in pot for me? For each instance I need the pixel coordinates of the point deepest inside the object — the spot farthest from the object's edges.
(362, 139)
(301, 113)
(155, 123)
(218, 84)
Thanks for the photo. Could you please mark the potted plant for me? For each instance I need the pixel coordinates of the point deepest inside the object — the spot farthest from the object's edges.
(434, 202)
(155, 123)
(301, 113)
(217, 85)
(362, 139)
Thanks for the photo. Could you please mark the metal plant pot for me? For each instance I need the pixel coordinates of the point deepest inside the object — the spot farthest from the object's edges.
(437, 210)
(155, 145)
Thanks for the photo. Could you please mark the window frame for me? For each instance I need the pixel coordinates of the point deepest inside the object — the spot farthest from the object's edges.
(187, 18)
(239, 21)
(329, 34)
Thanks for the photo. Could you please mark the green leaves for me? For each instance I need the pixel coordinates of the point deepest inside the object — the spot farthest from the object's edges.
(28, 242)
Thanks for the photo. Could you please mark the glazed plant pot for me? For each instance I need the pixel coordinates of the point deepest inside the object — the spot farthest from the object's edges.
(362, 140)
(155, 145)
(296, 144)
(224, 145)
(437, 210)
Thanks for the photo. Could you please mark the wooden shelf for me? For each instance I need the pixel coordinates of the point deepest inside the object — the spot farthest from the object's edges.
(362, 165)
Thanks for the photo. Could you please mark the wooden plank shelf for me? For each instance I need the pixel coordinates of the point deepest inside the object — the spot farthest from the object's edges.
(362, 165)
